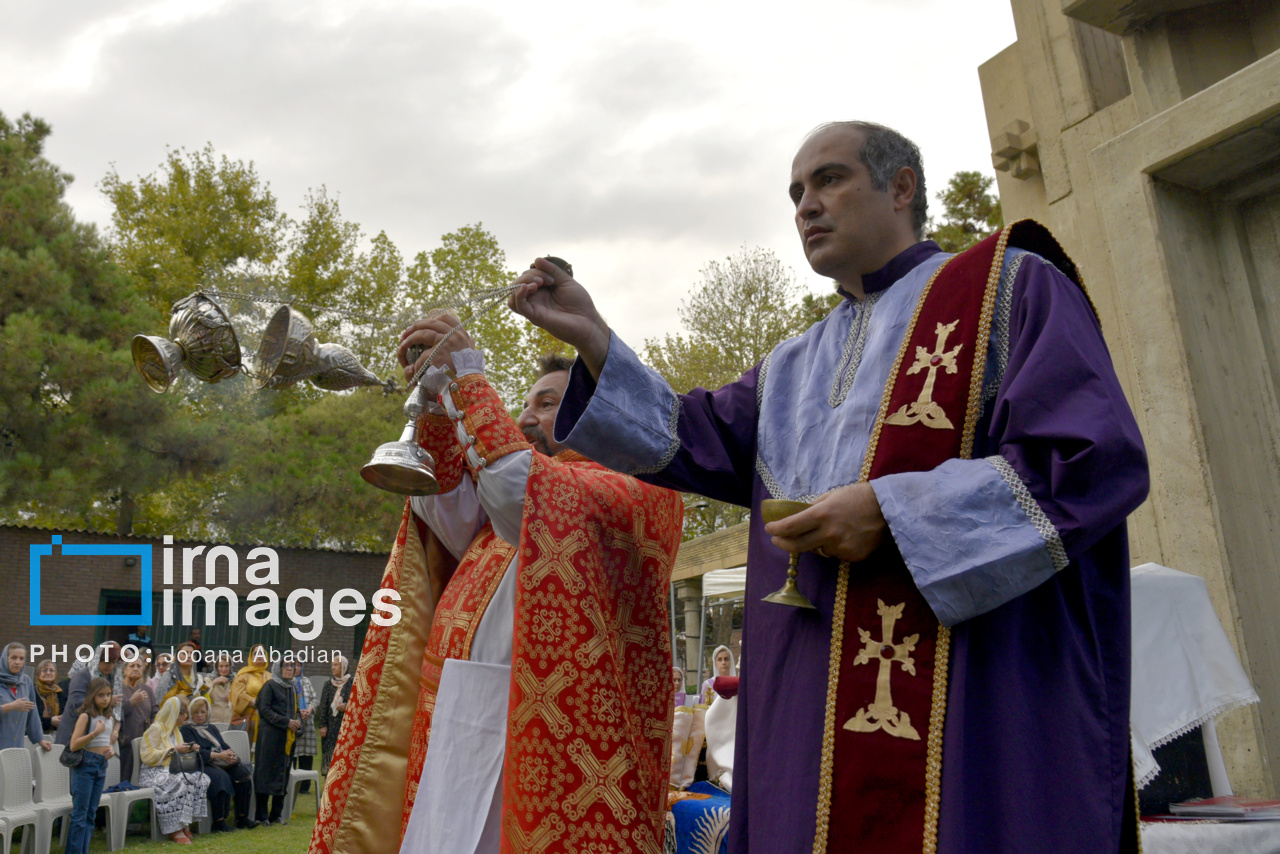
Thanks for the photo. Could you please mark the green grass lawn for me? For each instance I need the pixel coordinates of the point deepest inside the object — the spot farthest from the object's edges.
(292, 838)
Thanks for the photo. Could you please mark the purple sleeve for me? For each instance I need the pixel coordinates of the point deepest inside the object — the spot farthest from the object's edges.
(632, 422)
(1061, 420)
(1065, 461)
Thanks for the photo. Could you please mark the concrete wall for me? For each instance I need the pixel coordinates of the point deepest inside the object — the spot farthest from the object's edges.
(1162, 186)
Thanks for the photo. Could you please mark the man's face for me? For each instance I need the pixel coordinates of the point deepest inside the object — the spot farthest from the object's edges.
(538, 420)
(17, 659)
(142, 631)
(195, 635)
(844, 223)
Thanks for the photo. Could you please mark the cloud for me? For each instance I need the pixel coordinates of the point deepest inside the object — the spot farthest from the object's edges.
(648, 137)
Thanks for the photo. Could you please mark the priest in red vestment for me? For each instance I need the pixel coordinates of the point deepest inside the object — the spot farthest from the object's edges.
(522, 702)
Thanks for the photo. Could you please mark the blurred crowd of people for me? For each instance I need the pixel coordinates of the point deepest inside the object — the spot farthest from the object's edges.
(166, 714)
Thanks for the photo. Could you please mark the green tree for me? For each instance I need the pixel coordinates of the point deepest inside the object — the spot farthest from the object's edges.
(742, 308)
(200, 221)
(80, 436)
(970, 213)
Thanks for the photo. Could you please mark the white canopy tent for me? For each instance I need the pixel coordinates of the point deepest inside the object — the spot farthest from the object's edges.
(724, 583)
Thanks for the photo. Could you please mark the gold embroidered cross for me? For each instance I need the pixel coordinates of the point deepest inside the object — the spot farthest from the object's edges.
(555, 554)
(882, 714)
(539, 697)
(600, 781)
(923, 409)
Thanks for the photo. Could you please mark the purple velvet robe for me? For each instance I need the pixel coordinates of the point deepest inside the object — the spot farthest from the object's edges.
(1036, 738)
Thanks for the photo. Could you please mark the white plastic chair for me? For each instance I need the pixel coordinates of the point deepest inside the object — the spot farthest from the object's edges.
(53, 790)
(118, 805)
(16, 804)
(298, 776)
(238, 740)
(222, 727)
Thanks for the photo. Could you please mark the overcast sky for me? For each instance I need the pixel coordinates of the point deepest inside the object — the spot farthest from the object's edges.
(637, 139)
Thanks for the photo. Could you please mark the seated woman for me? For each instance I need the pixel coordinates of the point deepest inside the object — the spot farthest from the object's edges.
(180, 797)
(278, 726)
(228, 774)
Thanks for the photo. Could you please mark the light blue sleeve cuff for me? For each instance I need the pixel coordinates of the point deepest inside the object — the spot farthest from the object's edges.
(630, 423)
(469, 361)
(971, 534)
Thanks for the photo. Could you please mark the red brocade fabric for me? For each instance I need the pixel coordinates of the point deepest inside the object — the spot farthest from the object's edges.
(589, 717)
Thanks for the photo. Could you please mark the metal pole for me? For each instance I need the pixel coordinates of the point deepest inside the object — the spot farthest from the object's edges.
(702, 640)
(672, 588)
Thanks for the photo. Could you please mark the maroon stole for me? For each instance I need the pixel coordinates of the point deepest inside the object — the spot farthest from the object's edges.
(887, 684)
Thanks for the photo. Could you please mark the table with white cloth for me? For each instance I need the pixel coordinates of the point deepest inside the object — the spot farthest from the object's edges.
(1243, 837)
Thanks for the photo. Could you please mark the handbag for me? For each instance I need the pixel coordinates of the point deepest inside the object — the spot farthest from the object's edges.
(71, 758)
(185, 763)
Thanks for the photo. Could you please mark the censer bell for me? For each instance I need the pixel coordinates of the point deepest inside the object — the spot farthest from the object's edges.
(203, 341)
(771, 510)
(404, 466)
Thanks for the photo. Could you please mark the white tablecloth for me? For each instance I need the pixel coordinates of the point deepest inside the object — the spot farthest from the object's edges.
(1254, 837)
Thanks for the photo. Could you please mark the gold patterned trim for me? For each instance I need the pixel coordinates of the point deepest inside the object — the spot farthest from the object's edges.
(980, 354)
(829, 726)
(933, 754)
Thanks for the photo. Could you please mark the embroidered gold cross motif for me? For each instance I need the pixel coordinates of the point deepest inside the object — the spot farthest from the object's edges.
(923, 409)
(600, 781)
(540, 696)
(882, 714)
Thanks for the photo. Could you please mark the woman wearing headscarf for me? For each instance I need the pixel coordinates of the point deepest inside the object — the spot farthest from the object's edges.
(721, 665)
(18, 713)
(163, 662)
(106, 664)
(244, 692)
(677, 686)
(220, 692)
(139, 709)
(183, 679)
(333, 702)
(49, 696)
(304, 749)
(180, 797)
(229, 775)
(279, 721)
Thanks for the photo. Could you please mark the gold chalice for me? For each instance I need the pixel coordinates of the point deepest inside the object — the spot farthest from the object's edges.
(773, 509)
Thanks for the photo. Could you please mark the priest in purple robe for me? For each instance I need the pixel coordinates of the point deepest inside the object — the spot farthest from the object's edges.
(1015, 544)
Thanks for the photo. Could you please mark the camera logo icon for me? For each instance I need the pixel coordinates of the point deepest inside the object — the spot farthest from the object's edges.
(141, 552)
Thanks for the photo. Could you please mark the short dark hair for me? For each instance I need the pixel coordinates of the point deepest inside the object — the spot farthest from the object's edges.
(550, 363)
(884, 152)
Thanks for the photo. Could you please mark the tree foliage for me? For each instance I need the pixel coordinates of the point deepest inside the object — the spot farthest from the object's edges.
(291, 474)
(970, 213)
(80, 437)
(740, 310)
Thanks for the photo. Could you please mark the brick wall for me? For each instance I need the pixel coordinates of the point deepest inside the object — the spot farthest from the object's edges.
(72, 584)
